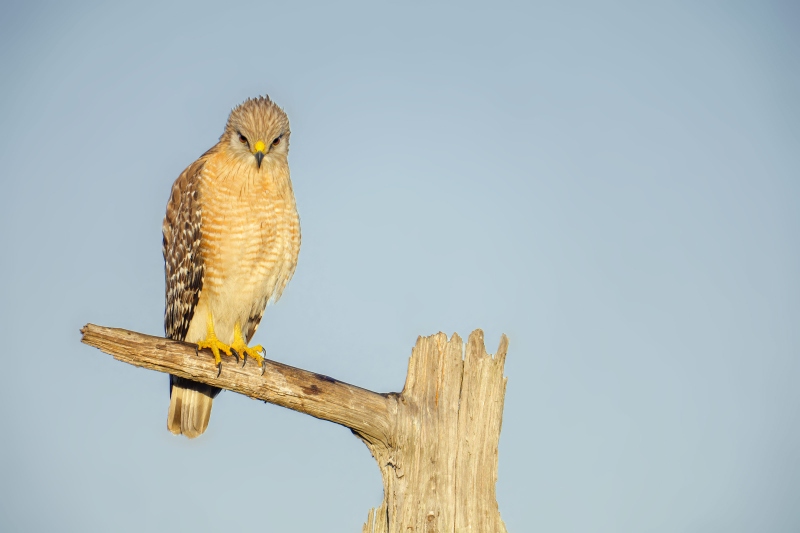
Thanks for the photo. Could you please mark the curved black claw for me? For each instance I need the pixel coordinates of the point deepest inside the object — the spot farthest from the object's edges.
(236, 354)
(196, 350)
(263, 360)
(219, 368)
(244, 359)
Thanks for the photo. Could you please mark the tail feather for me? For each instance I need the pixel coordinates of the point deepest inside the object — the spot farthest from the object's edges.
(189, 406)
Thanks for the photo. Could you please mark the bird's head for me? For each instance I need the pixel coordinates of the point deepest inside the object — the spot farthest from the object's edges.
(258, 130)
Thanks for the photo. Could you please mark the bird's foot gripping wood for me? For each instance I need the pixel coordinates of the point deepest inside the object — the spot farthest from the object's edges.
(239, 347)
(215, 345)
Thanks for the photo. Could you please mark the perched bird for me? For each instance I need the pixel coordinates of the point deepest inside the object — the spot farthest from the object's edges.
(231, 241)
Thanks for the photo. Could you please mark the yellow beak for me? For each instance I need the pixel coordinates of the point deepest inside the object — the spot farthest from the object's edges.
(260, 149)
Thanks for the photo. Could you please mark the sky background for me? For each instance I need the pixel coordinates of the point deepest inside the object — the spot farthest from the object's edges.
(614, 187)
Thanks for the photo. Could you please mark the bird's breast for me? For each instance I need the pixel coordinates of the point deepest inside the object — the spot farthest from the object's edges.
(250, 239)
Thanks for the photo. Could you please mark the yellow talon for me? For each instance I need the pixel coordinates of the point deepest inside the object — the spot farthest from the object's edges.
(241, 347)
(214, 344)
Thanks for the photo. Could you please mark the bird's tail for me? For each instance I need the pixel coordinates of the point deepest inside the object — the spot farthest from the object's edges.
(189, 406)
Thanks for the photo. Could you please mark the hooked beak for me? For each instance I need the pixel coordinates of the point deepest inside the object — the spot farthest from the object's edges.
(260, 149)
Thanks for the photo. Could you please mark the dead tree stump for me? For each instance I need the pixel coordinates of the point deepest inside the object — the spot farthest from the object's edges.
(439, 465)
(435, 442)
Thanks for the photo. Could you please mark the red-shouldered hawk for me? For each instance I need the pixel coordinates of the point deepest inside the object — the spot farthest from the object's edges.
(231, 241)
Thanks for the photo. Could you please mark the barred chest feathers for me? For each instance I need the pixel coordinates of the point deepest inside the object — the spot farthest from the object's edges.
(250, 241)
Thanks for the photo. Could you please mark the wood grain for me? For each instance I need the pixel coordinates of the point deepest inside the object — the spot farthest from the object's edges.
(440, 468)
(435, 443)
(363, 411)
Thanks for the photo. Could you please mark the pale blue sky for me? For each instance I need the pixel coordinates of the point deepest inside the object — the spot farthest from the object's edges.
(615, 187)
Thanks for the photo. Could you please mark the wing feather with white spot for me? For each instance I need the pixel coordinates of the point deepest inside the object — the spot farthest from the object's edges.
(183, 265)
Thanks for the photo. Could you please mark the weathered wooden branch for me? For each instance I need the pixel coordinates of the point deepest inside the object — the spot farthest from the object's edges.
(435, 443)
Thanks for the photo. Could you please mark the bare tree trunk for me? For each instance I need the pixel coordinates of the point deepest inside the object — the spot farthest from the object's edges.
(435, 443)
(439, 465)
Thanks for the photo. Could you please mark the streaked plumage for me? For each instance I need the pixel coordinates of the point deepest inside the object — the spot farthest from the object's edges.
(231, 241)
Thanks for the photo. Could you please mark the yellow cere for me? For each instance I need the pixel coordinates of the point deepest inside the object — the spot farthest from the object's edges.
(260, 146)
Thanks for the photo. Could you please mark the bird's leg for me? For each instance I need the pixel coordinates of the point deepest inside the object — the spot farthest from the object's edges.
(241, 347)
(211, 341)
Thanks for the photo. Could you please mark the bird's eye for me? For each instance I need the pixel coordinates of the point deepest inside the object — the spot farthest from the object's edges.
(276, 142)
(243, 139)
